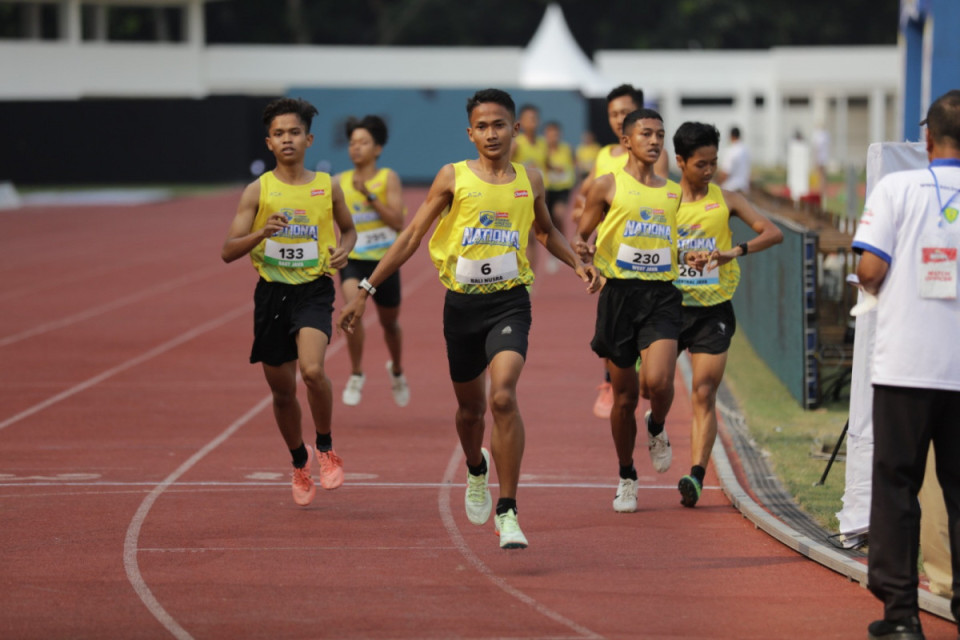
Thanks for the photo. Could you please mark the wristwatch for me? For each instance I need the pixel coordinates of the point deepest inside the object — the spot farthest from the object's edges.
(371, 197)
(366, 286)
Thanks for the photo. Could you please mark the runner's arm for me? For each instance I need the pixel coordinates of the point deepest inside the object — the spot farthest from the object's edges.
(550, 237)
(768, 234)
(348, 233)
(240, 239)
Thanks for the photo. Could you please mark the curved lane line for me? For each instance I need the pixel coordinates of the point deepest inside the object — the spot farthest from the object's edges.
(457, 538)
(131, 541)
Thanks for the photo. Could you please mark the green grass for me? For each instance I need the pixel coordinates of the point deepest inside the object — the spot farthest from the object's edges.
(789, 434)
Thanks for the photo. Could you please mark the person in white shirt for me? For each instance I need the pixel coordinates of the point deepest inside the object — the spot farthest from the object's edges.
(908, 239)
(735, 165)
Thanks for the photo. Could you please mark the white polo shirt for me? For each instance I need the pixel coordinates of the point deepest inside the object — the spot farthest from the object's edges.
(736, 164)
(917, 339)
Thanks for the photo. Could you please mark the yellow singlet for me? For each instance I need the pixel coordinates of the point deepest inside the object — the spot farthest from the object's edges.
(480, 244)
(704, 225)
(607, 163)
(587, 156)
(561, 172)
(637, 238)
(374, 237)
(532, 154)
(298, 253)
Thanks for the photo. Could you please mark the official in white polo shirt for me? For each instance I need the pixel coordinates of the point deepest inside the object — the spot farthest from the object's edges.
(908, 239)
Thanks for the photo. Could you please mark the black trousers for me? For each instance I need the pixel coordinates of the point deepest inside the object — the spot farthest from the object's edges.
(905, 420)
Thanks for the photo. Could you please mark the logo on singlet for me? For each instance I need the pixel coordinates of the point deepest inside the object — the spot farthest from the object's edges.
(499, 219)
(317, 192)
(712, 205)
(520, 193)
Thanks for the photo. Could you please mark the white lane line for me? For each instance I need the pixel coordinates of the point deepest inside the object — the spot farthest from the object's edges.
(131, 540)
(448, 522)
(347, 485)
(339, 547)
(123, 366)
(130, 564)
(109, 306)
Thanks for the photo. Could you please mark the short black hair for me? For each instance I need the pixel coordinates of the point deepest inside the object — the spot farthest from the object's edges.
(529, 107)
(303, 109)
(626, 90)
(497, 96)
(734, 132)
(373, 124)
(694, 135)
(639, 114)
(553, 123)
(943, 119)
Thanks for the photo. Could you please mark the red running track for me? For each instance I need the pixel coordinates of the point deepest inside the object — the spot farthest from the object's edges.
(144, 486)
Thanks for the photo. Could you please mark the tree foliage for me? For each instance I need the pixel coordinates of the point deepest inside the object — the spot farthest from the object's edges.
(613, 24)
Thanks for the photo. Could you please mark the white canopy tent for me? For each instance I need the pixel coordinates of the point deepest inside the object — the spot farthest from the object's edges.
(554, 60)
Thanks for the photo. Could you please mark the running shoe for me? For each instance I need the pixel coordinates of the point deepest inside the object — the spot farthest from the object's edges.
(303, 487)
(507, 527)
(661, 455)
(903, 629)
(603, 405)
(626, 498)
(351, 394)
(401, 391)
(690, 489)
(477, 500)
(331, 469)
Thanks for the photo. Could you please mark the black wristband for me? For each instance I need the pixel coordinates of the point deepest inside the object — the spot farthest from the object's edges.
(743, 249)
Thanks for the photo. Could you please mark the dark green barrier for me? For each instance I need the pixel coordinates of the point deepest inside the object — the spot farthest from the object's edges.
(776, 307)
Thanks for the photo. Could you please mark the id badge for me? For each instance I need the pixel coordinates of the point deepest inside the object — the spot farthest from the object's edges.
(937, 267)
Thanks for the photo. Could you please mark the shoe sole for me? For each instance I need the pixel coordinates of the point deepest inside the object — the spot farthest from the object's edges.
(513, 545)
(634, 510)
(688, 493)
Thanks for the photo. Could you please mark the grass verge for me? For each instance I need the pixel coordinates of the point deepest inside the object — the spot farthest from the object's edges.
(790, 436)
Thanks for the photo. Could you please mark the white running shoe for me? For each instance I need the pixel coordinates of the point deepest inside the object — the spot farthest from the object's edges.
(507, 527)
(477, 500)
(352, 392)
(401, 391)
(626, 499)
(661, 455)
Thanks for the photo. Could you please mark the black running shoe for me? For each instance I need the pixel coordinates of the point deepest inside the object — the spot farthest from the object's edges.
(902, 629)
(689, 491)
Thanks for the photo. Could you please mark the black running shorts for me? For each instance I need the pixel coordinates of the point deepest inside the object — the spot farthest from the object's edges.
(632, 315)
(280, 310)
(707, 329)
(479, 326)
(388, 291)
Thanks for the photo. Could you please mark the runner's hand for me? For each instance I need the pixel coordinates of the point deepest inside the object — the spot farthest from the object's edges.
(585, 250)
(338, 257)
(275, 223)
(351, 314)
(588, 274)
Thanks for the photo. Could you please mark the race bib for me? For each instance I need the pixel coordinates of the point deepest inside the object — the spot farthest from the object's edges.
(644, 260)
(379, 238)
(496, 269)
(938, 268)
(693, 277)
(291, 254)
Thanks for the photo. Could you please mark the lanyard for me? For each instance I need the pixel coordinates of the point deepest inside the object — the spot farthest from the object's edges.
(943, 207)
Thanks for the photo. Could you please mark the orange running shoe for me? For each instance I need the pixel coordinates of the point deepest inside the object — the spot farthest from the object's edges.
(331, 469)
(303, 487)
(604, 402)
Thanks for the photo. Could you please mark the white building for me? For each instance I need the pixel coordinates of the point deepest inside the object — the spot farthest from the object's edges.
(771, 95)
